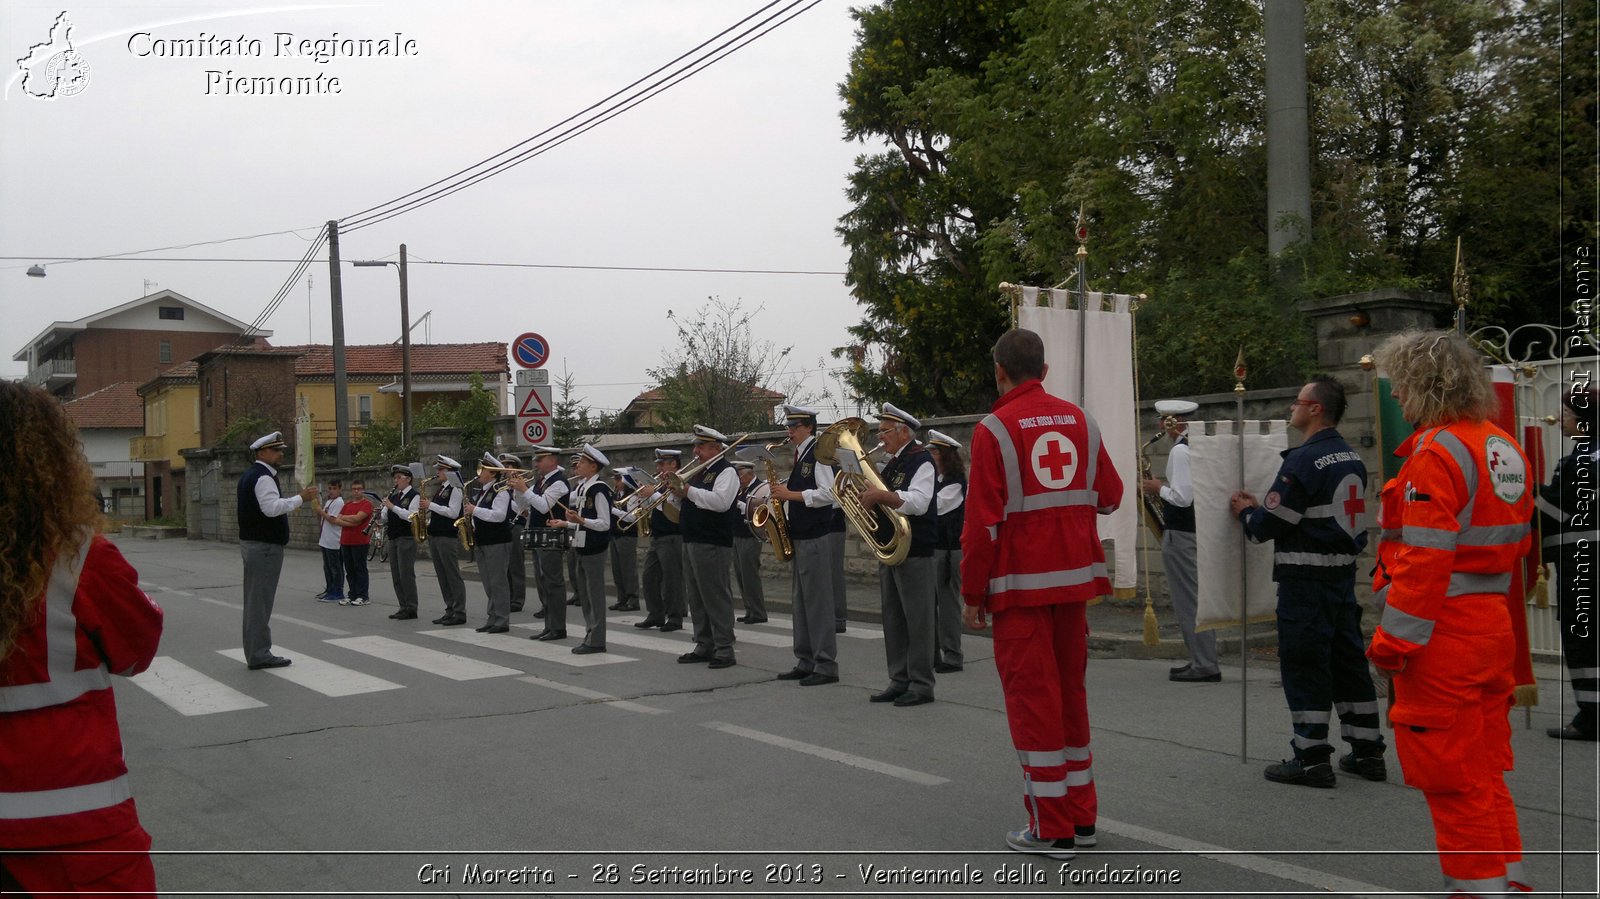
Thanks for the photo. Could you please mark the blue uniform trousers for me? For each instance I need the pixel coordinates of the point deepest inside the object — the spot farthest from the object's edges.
(1323, 665)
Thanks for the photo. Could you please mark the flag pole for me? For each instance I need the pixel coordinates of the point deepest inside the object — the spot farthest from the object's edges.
(1082, 233)
(1244, 575)
(1462, 289)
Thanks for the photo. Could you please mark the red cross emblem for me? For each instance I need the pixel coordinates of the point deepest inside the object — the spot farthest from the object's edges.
(1354, 506)
(1055, 461)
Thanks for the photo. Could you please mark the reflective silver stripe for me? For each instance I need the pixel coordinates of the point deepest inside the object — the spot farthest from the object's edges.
(1569, 537)
(1465, 584)
(1094, 452)
(1049, 759)
(1331, 510)
(1307, 717)
(1550, 509)
(1463, 456)
(1356, 708)
(1080, 778)
(65, 801)
(1514, 873)
(1428, 538)
(1008, 461)
(1057, 499)
(1321, 560)
(61, 648)
(1494, 885)
(1071, 577)
(1285, 513)
(1308, 742)
(1081, 753)
(1388, 534)
(1586, 695)
(1049, 789)
(1380, 598)
(1360, 733)
(1407, 627)
(994, 532)
(1494, 534)
(1585, 673)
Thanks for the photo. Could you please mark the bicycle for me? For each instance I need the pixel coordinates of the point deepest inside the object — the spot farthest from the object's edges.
(379, 547)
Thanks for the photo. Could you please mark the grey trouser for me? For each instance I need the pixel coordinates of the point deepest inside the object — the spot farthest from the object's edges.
(625, 568)
(552, 578)
(517, 573)
(403, 571)
(747, 570)
(263, 562)
(493, 561)
(446, 555)
(1178, 560)
(663, 579)
(816, 646)
(706, 585)
(572, 573)
(590, 585)
(841, 609)
(947, 612)
(907, 592)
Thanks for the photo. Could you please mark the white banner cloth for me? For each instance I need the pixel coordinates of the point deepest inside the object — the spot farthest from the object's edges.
(1108, 360)
(1219, 538)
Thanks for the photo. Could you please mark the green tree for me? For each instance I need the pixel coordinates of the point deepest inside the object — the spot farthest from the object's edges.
(380, 444)
(472, 416)
(570, 419)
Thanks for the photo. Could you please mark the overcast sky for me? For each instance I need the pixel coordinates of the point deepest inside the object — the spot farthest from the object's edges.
(742, 166)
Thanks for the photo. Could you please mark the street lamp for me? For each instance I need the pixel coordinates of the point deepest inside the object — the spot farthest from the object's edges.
(405, 342)
(36, 271)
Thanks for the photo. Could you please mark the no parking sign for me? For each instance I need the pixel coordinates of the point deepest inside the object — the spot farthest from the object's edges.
(530, 350)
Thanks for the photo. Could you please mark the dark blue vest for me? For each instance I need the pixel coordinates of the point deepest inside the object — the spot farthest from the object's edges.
(396, 527)
(440, 524)
(704, 526)
(594, 541)
(253, 523)
(489, 533)
(806, 523)
(897, 475)
(951, 522)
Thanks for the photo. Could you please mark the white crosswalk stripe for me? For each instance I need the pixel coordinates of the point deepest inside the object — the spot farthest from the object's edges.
(188, 692)
(432, 661)
(323, 677)
(606, 698)
(856, 631)
(518, 644)
(742, 635)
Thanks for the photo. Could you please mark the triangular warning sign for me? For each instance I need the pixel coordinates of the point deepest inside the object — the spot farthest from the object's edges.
(533, 406)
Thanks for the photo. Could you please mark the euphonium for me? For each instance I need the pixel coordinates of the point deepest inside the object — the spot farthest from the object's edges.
(769, 516)
(419, 520)
(885, 530)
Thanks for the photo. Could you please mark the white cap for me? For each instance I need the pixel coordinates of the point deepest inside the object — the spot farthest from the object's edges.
(489, 460)
(510, 460)
(546, 451)
(673, 454)
(270, 441)
(400, 469)
(1176, 407)
(595, 455)
(443, 461)
(703, 434)
(792, 412)
(895, 413)
(742, 465)
(939, 438)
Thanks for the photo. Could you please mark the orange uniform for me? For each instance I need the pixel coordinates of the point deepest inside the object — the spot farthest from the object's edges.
(1455, 524)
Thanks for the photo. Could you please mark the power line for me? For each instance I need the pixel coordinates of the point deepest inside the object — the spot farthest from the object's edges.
(118, 257)
(467, 264)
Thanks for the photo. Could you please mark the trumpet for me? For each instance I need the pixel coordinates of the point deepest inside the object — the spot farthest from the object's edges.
(886, 531)
(678, 481)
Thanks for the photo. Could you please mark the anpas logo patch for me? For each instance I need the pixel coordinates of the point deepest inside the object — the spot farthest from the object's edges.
(1508, 471)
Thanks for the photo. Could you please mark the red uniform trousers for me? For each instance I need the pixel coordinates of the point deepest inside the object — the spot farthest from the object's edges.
(1453, 736)
(1042, 653)
(89, 875)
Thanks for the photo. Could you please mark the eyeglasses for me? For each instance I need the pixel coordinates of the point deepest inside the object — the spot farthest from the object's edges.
(1304, 403)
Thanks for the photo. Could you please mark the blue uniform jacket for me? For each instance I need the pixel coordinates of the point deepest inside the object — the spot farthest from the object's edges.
(1315, 511)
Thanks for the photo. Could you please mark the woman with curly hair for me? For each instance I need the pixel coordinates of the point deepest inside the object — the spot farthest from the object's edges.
(1455, 522)
(71, 615)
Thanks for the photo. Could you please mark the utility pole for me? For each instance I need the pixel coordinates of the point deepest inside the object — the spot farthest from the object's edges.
(1288, 135)
(405, 352)
(341, 397)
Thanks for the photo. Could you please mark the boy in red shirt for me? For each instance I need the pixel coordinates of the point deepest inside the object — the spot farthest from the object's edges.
(353, 541)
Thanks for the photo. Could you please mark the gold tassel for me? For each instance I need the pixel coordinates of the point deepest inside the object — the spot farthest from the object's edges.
(1152, 631)
(1541, 590)
(1124, 592)
(1525, 695)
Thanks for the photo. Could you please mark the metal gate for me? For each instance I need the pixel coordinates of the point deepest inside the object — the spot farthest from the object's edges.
(210, 502)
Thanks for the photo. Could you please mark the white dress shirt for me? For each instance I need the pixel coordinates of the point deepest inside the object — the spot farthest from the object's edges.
(273, 504)
(918, 494)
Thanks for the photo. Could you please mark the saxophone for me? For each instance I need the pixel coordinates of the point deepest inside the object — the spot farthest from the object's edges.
(886, 531)
(768, 516)
(419, 520)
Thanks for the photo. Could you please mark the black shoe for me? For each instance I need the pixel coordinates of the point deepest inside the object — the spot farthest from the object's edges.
(1300, 773)
(272, 662)
(442, 619)
(497, 629)
(746, 619)
(913, 699)
(794, 674)
(838, 628)
(1371, 767)
(616, 607)
(945, 667)
(671, 626)
(454, 620)
(629, 607)
(574, 602)
(583, 649)
(1568, 732)
(539, 614)
(1083, 835)
(1190, 677)
(481, 628)
(1180, 669)
(516, 608)
(722, 663)
(889, 695)
(647, 623)
(405, 616)
(817, 680)
(322, 595)
(547, 636)
(690, 658)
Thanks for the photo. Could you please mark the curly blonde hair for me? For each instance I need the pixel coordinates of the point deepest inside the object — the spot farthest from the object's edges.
(48, 494)
(1442, 376)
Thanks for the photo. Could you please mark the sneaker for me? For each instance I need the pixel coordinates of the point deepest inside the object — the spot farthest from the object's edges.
(1024, 841)
(330, 598)
(361, 601)
(321, 595)
(1084, 836)
(1296, 771)
(1371, 767)
(344, 602)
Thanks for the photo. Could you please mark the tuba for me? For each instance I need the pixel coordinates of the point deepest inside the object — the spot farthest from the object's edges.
(886, 531)
(767, 519)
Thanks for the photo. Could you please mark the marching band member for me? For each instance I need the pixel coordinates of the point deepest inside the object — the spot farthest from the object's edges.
(950, 492)
(1178, 548)
(590, 520)
(518, 572)
(907, 589)
(708, 522)
(663, 562)
(808, 506)
(747, 549)
(545, 498)
(569, 555)
(624, 545)
(398, 507)
(442, 509)
(491, 514)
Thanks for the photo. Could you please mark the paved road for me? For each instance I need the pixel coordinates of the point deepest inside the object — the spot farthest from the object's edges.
(394, 757)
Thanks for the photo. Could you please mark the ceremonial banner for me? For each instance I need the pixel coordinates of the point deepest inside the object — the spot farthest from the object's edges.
(1107, 358)
(1393, 430)
(1220, 545)
(305, 466)
(1504, 379)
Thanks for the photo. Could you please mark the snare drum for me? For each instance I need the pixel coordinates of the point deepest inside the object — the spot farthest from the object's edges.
(549, 538)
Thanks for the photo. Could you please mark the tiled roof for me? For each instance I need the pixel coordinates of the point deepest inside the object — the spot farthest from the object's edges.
(654, 394)
(112, 406)
(384, 359)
